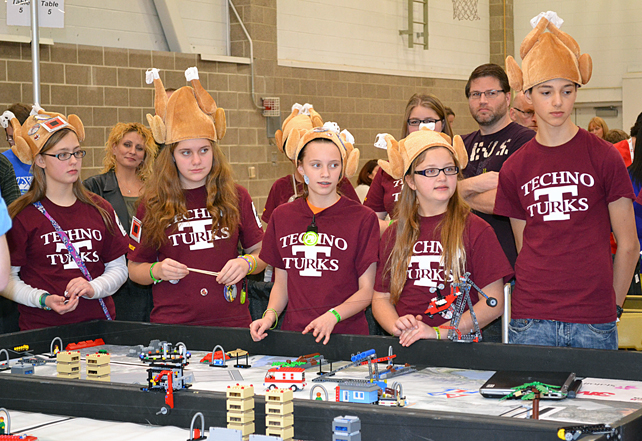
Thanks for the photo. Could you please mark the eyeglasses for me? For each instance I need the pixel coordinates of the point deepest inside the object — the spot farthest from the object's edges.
(527, 114)
(416, 121)
(66, 156)
(490, 94)
(434, 172)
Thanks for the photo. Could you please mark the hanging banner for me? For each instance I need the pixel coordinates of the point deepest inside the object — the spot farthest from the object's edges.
(51, 13)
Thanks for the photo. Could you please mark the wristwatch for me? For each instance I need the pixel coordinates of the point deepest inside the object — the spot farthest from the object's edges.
(620, 310)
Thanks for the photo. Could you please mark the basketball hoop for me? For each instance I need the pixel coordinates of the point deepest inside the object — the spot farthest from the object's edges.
(465, 10)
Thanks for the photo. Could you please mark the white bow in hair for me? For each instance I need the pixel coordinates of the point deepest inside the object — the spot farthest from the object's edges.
(191, 73)
(332, 127)
(380, 141)
(151, 75)
(35, 109)
(6, 118)
(550, 16)
(347, 136)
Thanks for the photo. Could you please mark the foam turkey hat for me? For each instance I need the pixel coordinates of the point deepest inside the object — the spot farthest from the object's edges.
(302, 117)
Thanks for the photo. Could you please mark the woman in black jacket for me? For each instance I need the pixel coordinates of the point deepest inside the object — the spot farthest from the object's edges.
(129, 159)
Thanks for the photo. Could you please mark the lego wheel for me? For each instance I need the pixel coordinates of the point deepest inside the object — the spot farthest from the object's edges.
(491, 301)
(272, 386)
(294, 388)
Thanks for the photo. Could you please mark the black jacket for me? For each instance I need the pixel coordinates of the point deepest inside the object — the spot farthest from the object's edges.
(106, 186)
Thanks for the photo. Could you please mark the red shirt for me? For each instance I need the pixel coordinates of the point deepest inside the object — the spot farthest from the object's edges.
(564, 271)
(485, 261)
(46, 264)
(384, 193)
(282, 190)
(624, 147)
(198, 299)
(323, 276)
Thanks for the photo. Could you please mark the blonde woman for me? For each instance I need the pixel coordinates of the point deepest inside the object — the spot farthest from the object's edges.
(598, 127)
(435, 240)
(129, 158)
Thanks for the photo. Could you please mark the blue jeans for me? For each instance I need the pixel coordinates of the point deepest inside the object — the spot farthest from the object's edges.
(553, 333)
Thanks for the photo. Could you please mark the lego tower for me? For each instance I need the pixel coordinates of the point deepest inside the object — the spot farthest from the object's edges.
(240, 409)
(279, 417)
(68, 364)
(98, 367)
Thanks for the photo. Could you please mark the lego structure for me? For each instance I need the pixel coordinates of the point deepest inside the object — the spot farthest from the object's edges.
(291, 377)
(346, 428)
(98, 368)
(167, 358)
(240, 409)
(279, 414)
(68, 364)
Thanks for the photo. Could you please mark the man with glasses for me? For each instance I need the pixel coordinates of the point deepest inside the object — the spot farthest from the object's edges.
(522, 112)
(498, 137)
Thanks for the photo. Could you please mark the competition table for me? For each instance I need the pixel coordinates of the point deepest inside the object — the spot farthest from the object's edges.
(127, 403)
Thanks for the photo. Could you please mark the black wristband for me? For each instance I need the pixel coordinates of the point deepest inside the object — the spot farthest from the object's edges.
(620, 310)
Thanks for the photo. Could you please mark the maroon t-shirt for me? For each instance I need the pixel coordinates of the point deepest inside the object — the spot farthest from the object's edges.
(488, 153)
(46, 264)
(198, 299)
(564, 271)
(485, 261)
(384, 193)
(282, 190)
(322, 276)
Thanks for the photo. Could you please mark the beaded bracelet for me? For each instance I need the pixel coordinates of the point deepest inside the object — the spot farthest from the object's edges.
(276, 322)
(336, 314)
(437, 331)
(249, 256)
(154, 279)
(43, 304)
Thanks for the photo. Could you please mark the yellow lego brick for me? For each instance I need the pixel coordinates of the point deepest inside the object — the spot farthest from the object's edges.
(75, 375)
(99, 377)
(279, 421)
(68, 357)
(240, 417)
(278, 395)
(98, 370)
(285, 433)
(239, 392)
(68, 368)
(240, 405)
(246, 429)
(98, 359)
(279, 408)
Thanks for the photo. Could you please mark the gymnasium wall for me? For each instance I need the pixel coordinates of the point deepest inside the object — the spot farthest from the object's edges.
(104, 85)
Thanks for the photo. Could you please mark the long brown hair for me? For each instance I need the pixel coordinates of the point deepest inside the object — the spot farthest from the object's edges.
(38, 189)
(144, 170)
(429, 102)
(450, 229)
(164, 198)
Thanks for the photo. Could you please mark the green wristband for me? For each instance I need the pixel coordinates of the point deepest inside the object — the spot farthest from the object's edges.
(43, 304)
(154, 279)
(277, 317)
(336, 314)
(437, 331)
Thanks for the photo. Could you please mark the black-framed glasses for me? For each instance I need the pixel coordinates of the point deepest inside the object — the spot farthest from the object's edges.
(416, 121)
(490, 94)
(434, 172)
(527, 114)
(66, 156)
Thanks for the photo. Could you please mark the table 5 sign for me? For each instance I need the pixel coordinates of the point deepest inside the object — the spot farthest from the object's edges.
(51, 13)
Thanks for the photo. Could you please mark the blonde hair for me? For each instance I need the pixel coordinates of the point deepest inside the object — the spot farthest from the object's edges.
(164, 198)
(450, 230)
(597, 121)
(144, 170)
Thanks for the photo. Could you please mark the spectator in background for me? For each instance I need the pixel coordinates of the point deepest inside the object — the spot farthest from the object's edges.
(598, 127)
(627, 147)
(522, 112)
(616, 135)
(21, 169)
(129, 160)
(366, 175)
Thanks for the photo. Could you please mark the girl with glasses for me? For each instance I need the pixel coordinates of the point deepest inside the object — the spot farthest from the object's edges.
(433, 242)
(67, 245)
(422, 109)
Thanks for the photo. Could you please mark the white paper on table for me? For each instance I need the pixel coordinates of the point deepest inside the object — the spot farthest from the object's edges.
(611, 390)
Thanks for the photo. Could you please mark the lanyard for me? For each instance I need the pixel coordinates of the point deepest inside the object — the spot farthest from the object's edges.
(72, 251)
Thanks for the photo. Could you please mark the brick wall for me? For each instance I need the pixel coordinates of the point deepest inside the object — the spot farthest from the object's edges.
(501, 24)
(107, 85)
